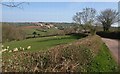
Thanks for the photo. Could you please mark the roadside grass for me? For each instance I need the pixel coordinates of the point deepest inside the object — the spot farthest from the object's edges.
(103, 61)
(42, 43)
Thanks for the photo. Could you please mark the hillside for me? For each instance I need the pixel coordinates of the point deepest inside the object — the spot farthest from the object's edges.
(85, 55)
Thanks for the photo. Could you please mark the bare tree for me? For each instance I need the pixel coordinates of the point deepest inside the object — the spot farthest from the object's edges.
(13, 4)
(77, 18)
(86, 17)
(107, 18)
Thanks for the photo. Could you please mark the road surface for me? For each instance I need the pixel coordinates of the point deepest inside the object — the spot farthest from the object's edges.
(113, 46)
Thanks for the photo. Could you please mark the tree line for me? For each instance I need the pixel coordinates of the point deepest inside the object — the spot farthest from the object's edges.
(88, 18)
(12, 32)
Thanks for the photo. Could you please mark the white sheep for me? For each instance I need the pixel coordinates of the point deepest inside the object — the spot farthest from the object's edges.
(20, 47)
(16, 49)
(23, 49)
(7, 47)
(4, 50)
(10, 51)
(29, 47)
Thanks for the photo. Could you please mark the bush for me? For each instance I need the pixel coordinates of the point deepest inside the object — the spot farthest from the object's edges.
(112, 35)
(11, 32)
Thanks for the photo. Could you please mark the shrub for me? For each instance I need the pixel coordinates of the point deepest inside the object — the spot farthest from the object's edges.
(11, 32)
(112, 35)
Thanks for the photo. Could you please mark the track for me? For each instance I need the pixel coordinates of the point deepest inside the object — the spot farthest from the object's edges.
(113, 45)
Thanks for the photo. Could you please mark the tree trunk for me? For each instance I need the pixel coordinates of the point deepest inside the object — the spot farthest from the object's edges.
(105, 28)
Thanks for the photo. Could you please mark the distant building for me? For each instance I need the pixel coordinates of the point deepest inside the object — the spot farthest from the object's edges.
(43, 25)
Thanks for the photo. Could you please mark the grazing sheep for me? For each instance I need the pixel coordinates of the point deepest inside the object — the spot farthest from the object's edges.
(20, 47)
(29, 47)
(10, 51)
(4, 50)
(23, 49)
(7, 47)
(16, 49)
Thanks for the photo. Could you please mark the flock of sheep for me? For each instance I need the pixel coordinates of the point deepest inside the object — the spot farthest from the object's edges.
(6, 49)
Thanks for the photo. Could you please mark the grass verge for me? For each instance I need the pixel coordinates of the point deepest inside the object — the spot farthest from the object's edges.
(103, 61)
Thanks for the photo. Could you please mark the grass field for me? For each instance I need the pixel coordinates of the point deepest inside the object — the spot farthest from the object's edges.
(90, 53)
(41, 43)
(46, 32)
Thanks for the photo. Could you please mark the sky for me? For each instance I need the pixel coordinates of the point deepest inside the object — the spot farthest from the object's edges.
(61, 0)
(51, 11)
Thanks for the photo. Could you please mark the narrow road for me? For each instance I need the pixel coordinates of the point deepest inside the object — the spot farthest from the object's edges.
(113, 46)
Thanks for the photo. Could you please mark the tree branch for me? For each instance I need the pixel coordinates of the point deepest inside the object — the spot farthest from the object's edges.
(13, 4)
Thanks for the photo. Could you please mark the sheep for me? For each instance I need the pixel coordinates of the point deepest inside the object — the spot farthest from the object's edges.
(29, 47)
(20, 47)
(10, 51)
(23, 49)
(16, 49)
(7, 47)
(4, 50)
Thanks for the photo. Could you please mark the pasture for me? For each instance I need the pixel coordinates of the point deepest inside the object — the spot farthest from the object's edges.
(42, 32)
(56, 46)
(88, 54)
(42, 43)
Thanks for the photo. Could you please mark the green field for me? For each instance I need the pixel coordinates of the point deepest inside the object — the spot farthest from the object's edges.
(42, 43)
(51, 31)
(90, 52)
